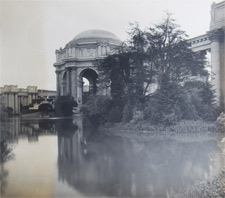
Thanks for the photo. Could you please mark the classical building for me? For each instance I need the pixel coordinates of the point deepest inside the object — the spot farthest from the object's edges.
(16, 98)
(213, 41)
(75, 63)
(216, 36)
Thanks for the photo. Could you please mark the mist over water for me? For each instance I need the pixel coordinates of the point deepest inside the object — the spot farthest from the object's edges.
(60, 158)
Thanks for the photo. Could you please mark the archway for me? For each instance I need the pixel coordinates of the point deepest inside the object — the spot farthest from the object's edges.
(88, 79)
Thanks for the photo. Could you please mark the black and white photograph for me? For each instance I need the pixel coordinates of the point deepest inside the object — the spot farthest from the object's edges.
(112, 98)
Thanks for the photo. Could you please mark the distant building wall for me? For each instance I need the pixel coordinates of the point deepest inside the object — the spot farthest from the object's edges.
(16, 98)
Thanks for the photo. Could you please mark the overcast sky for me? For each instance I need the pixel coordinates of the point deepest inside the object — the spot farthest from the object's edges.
(32, 30)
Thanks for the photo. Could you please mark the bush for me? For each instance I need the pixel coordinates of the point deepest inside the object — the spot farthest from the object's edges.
(214, 187)
(220, 121)
(128, 112)
(96, 109)
(115, 113)
(5, 150)
(64, 106)
(201, 98)
(137, 116)
(192, 101)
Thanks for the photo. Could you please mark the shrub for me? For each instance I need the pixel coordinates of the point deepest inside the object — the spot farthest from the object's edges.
(137, 116)
(5, 150)
(63, 106)
(191, 101)
(128, 112)
(97, 108)
(115, 113)
(220, 121)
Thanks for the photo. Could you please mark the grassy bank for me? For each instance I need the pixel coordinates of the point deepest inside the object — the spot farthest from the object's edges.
(183, 126)
(183, 131)
(213, 188)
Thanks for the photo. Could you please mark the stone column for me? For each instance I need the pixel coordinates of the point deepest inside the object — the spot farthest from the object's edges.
(32, 97)
(79, 90)
(215, 37)
(222, 58)
(99, 51)
(10, 100)
(73, 52)
(68, 81)
(7, 99)
(108, 49)
(23, 100)
(29, 99)
(74, 83)
(16, 103)
(57, 83)
(19, 101)
(26, 100)
(61, 89)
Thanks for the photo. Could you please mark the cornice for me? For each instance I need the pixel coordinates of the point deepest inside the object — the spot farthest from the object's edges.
(216, 35)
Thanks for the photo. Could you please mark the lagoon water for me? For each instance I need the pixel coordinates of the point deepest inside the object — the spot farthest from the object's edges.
(62, 158)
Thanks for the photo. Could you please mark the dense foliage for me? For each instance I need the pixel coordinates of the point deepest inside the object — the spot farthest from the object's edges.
(156, 77)
(5, 150)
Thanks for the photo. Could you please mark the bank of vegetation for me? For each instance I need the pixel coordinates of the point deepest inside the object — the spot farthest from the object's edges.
(215, 187)
(156, 79)
(5, 149)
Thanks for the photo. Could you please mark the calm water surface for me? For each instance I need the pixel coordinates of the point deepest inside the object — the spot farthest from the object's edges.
(58, 158)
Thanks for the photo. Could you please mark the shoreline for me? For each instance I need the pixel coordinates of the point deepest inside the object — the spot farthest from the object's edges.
(194, 131)
(185, 131)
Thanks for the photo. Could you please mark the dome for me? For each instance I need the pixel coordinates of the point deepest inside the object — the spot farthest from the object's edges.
(96, 36)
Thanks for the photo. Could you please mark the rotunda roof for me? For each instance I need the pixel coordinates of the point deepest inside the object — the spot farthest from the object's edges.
(96, 36)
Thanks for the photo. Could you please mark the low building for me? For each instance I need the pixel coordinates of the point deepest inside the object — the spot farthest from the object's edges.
(17, 98)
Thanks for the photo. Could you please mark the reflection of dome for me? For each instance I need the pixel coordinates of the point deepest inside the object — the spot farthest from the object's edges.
(96, 36)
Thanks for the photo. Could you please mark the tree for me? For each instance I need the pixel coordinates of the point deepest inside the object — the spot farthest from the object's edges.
(115, 71)
(160, 55)
(5, 150)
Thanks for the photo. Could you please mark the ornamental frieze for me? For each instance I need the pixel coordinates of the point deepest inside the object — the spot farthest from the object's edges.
(87, 52)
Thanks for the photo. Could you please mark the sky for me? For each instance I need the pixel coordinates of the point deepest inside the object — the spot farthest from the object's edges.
(32, 30)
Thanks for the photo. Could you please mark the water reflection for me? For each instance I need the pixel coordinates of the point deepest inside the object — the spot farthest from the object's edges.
(3, 178)
(116, 166)
(61, 159)
(31, 129)
(31, 172)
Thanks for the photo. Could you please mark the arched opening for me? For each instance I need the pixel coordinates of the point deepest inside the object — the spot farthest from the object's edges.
(89, 83)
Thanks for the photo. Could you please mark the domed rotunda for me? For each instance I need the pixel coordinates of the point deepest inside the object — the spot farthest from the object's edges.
(96, 36)
(75, 62)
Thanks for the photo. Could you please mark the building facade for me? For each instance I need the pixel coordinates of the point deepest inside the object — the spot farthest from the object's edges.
(76, 62)
(217, 45)
(16, 98)
(213, 41)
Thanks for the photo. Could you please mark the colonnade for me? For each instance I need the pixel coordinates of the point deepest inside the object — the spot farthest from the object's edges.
(69, 83)
(15, 97)
(14, 100)
(217, 64)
